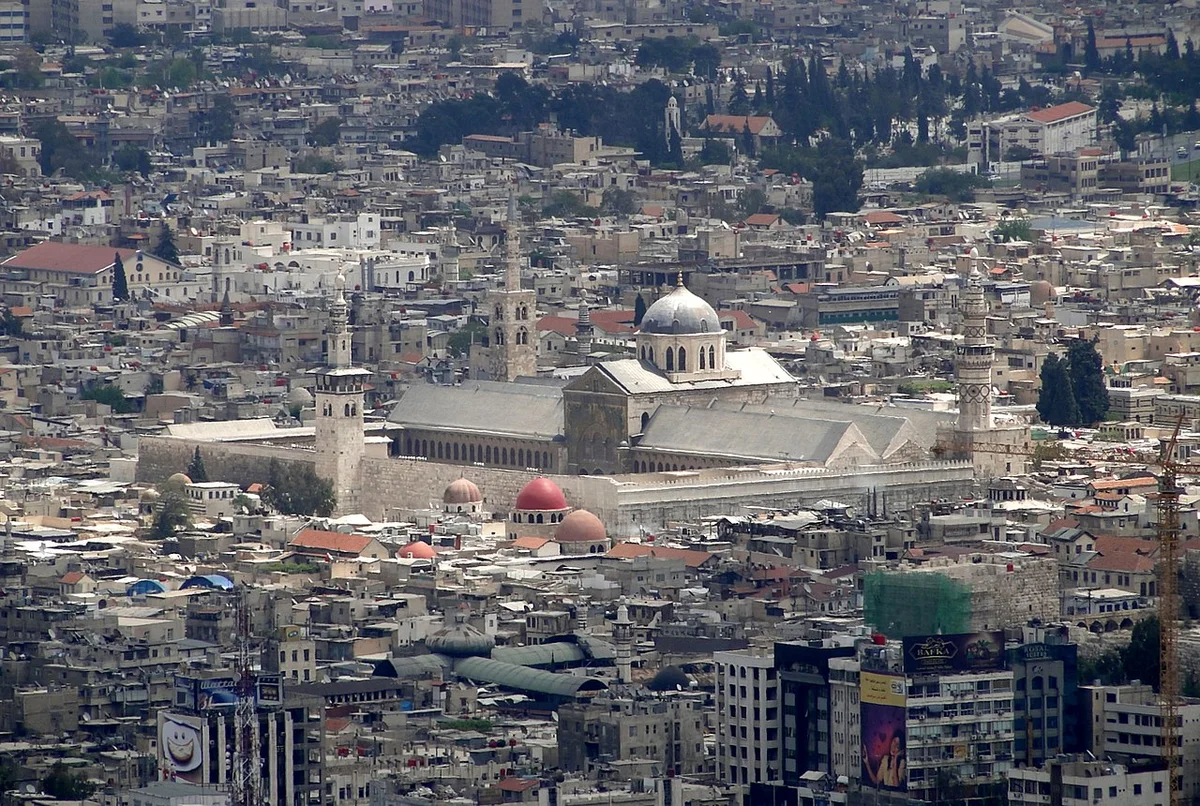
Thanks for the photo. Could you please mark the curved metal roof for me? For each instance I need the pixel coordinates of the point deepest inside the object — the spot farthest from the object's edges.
(211, 581)
(522, 678)
(553, 654)
(410, 667)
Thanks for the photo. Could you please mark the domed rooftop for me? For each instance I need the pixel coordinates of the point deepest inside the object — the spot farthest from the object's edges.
(417, 550)
(301, 397)
(540, 495)
(460, 640)
(179, 479)
(149, 494)
(1040, 292)
(462, 491)
(680, 313)
(580, 526)
(670, 678)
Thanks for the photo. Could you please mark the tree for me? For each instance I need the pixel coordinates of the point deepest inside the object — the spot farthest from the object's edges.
(1091, 55)
(1012, 229)
(1056, 400)
(739, 101)
(565, 204)
(748, 145)
(715, 152)
(130, 159)
(1140, 657)
(120, 283)
(836, 177)
(62, 784)
(1018, 154)
(195, 469)
(217, 126)
(326, 133)
(166, 249)
(296, 489)
(61, 150)
(460, 341)
(751, 201)
(173, 514)
(619, 202)
(1087, 381)
(639, 310)
(110, 396)
(125, 35)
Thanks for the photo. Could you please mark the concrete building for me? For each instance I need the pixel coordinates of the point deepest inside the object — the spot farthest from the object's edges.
(667, 728)
(1045, 687)
(1087, 782)
(748, 718)
(1058, 129)
(808, 718)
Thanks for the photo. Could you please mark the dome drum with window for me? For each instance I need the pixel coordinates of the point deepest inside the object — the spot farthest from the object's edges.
(681, 336)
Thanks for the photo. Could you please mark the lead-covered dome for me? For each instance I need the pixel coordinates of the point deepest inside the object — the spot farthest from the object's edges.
(460, 640)
(680, 313)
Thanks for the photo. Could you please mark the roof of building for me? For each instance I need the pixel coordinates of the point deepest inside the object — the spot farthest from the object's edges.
(516, 409)
(540, 495)
(339, 542)
(529, 542)
(737, 123)
(521, 678)
(68, 257)
(554, 653)
(1053, 114)
(462, 491)
(635, 376)
(680, 312)
(417, 550)
(580, 526)
(627, 551)
(72, 578)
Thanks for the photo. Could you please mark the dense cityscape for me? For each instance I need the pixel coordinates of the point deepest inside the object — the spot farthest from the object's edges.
(599, 403)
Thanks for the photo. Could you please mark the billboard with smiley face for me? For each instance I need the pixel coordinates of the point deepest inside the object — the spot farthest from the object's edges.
(181, 747)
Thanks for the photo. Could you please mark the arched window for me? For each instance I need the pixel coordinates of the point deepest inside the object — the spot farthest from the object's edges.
(455, 451)
(701, 358)
(682, 360)
(471, 451)
(651, 353)
(440, 451)
(499, 336)
(643, 352)
(645, 419)
(412, 276)
(712, 357)
(539, 517)
(545, 459)
(504, 456)
(670, 360)
(521, 458)
(424, 447)
(354, 409)
(522, 336)
(499, 313)
(347, 409)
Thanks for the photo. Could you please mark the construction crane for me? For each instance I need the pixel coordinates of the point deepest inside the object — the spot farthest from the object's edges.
(1167, 529)
(247, 781)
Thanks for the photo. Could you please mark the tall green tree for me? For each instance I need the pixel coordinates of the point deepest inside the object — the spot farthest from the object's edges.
(837, 177)
(1056, 400)
(165, 249)
(297, 490)
(173, 514)
(1091, 55)
(639, 310)
(62, 784)
(1087, 381)
(120, 283)
(195, 469)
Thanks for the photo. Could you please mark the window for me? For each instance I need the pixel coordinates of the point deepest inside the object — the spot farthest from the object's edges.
(670, 360)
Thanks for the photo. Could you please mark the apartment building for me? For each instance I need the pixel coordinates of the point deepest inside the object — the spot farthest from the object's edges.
(1065, 128)
(1087, 782)
(748, 718)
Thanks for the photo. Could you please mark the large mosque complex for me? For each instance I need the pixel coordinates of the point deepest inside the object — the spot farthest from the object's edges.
(685, 427)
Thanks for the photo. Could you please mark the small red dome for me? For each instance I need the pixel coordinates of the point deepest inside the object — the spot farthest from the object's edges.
(417, 550)
(540, 495)
(580, 526)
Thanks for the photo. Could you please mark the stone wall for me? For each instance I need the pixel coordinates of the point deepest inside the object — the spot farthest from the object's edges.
(243, 464)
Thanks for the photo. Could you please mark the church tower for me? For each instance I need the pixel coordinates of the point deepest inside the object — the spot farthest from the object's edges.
(511, 351)
(973, 362)
(339, 400)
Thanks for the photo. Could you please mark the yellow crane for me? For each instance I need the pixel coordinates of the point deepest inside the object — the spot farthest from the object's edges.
(1167, 469)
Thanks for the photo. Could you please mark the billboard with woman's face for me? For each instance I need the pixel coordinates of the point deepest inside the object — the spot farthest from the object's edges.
(884, 761)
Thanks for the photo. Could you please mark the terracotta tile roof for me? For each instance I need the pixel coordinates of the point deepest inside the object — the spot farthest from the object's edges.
(21, 311)
(1054, 114)
(319, 540)
(741, 320)
(71, 578)
(613, 320)
(1103, 485)
(529, 542)
(562, 325)
(517, 784)
(1123, 561)
(762, 220)
(735, 124)
(68, 257)
(1129, 545)
(627, 551)
(882, 217)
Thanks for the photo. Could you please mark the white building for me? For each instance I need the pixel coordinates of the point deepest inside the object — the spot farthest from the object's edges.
(1056, 130)
(359, 232)
(212, 499)
(845, 750)
(747, 718)
(1089, 783)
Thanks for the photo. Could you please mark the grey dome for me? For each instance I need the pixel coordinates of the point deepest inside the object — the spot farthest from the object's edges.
(461, 640)
(670, 678)
(679, 313)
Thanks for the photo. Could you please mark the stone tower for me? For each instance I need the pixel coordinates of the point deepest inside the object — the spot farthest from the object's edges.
(339, 400)
(511, 351)
(622, 635)
(671, 120)
(583, 333)
(973, 362)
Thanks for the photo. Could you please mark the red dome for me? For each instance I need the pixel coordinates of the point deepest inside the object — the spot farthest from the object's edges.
(417, 550)
(540, 495)
(580, 526)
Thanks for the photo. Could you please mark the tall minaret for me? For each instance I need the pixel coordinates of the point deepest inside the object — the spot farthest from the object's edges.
(622, 634)
(339, 399)
(511, 352)
(583, 332)
(973, 362)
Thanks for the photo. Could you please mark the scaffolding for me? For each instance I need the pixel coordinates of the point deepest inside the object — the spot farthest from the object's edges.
(900, 604)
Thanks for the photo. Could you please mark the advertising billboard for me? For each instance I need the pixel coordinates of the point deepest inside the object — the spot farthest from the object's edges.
(181, 747)
(884, 750)
(954, 654)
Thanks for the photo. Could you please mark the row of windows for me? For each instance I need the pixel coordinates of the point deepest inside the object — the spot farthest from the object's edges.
(459, 452)
(350, 410)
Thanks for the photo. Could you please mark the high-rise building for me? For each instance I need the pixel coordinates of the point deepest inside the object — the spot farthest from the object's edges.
(510, 350)
(339, 400)
(663, 727)
(748, 708)
(1045, 686)
(807, 718)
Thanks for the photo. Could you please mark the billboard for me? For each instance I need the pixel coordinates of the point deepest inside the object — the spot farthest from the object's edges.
(954, 654)
(221, 691)
(181, 747)
(884, 751)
